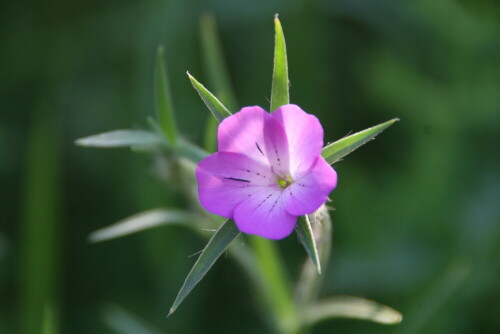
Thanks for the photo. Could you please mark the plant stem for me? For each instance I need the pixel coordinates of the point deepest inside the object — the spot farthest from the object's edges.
(276, 287)
(39, 253)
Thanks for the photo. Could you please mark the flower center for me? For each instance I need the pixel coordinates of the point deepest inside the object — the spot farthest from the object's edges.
(284, 182)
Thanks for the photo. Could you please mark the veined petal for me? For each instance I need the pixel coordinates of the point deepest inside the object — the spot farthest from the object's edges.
(308, 193)
(276, 147)
(225, 179)
(305, 137)
(264, 214)
(243, 132)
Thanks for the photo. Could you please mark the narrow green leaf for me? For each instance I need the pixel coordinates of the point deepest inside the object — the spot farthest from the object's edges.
(122, 138)
(122, 321)
(279, 92)
(164, 104)
(50, 325)
(352, 308)
(143, 221)
(214, 248)
(216, 107)
(335, 151)
(306, 237)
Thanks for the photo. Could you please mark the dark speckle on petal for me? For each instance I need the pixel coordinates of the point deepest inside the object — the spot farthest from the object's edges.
(235, 179)
(258, 147)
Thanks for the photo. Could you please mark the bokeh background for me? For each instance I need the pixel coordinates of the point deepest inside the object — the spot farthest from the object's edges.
(417, 219)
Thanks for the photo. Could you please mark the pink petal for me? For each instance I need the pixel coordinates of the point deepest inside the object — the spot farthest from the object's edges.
(264, 214)
(305, 137)
(225, 179)
(307, 194)
(276, 147)
(243, 132)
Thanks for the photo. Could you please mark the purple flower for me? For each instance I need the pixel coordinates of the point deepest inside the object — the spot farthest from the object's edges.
(268, 170)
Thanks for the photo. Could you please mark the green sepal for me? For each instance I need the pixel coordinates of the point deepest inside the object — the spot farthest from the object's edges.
(335, 151)
(214, 105)
(306, 238)
(219, 242)
(279, 92)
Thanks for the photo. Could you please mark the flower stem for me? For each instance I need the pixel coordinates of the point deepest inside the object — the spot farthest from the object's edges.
(276, 289)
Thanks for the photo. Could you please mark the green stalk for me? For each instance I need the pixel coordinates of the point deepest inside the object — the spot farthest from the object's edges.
(276, 287)
(50, 320)
(40, 222)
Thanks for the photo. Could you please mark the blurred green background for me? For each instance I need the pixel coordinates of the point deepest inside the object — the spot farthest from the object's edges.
(417, 219)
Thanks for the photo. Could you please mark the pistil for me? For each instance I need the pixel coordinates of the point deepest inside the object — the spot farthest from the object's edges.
(284, 182)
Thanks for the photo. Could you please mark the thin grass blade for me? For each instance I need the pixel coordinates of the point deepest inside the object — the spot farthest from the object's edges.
(38, 252)
(216, 69)
(447, 286)
(214, 105)
(164, 104)
(352, 308)
(122, 138)
(122, 321)
(217, 75)
(306, 237)
(214, 248)
(50, 320)
(141, 222)
(335, 151)
(279, 92)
